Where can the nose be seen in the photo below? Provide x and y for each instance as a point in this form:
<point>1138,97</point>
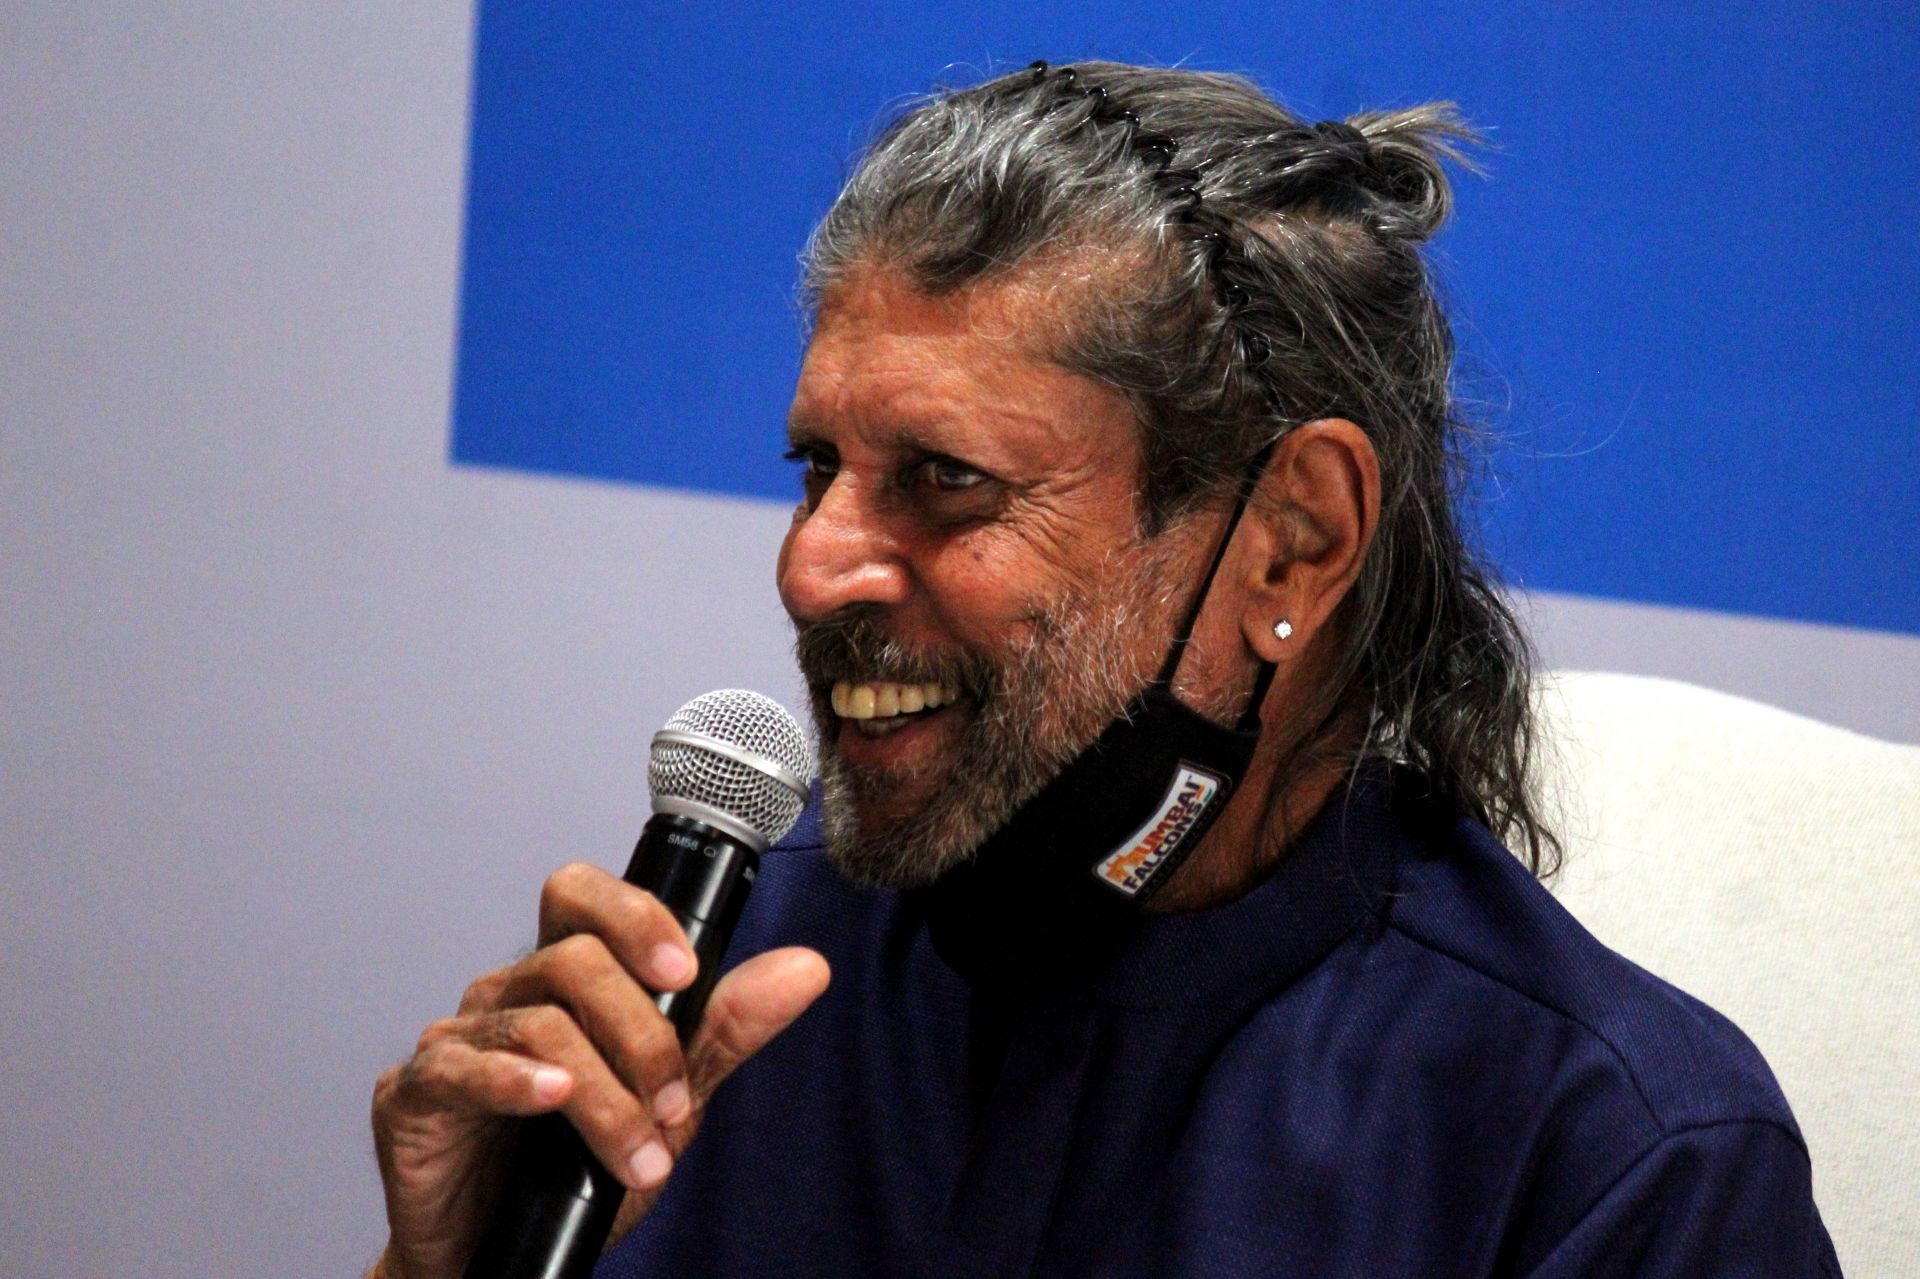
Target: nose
<point>840,554</point>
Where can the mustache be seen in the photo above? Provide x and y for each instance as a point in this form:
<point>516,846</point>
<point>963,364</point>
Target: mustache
<point>857,647</point>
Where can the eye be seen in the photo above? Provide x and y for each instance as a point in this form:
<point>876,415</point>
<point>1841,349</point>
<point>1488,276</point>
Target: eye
<point>818,466</point>
<point>948,475</point>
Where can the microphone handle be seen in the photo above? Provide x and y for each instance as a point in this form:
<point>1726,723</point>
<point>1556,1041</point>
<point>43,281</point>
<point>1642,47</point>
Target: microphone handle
<point>558,1204</point>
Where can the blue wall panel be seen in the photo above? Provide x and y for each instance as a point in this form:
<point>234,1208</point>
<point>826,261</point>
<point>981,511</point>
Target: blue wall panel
<point>1688,290</point>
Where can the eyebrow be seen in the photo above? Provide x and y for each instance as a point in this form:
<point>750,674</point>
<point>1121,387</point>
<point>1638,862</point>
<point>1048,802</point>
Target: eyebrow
<point>802,432</point>
<point>909,439</point>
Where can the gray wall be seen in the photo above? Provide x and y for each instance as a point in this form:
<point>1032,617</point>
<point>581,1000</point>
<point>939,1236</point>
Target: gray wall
<point>293,715</point>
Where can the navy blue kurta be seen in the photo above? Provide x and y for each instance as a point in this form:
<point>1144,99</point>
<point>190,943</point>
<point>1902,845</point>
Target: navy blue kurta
<point>1398,1056</point>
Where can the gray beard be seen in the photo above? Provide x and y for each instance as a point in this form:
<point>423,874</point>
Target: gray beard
<point>1002,762</point>
<point>1034,712</point>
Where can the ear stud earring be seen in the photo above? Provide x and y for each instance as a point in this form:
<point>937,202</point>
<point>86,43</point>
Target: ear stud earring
<point>1283,629</point>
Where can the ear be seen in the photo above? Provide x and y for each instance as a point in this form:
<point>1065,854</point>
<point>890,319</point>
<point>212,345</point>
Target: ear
<point>1312,518</point>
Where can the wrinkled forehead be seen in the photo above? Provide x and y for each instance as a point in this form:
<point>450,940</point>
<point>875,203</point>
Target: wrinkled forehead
<point>1044,299</point>
<point>1031,312</point>
<point>979,359</point>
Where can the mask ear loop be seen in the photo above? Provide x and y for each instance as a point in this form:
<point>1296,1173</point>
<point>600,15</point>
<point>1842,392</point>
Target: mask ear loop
<point>1250,719</point>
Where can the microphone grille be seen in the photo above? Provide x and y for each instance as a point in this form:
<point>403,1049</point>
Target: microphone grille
<point>697,759</point>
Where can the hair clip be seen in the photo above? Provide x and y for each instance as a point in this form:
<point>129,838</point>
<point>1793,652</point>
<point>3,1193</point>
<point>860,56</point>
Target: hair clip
<point>1156,149</point>
<point>1182,186</point>
<point>1344,138</point>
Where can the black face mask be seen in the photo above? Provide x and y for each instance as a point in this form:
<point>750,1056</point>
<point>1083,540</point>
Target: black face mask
<point>1062,878</point>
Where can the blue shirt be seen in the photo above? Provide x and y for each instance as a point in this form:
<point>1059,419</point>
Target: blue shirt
<point>1397,1056</point>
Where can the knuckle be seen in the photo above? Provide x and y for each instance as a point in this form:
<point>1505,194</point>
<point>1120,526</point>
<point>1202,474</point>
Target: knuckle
<point>483,991</point>
<point>656,1046</point>
<point>542,1026</point>
<point>435,1034</point>
<point>719,1053</point>
<point>616,1115</point>
<point>645,911</point>
<point>726,1029</point>
<point>644,1052</point>
<point>431,1072</point>
<point>579,954</point>
<point>385,1085</point>
<point>564,885</point>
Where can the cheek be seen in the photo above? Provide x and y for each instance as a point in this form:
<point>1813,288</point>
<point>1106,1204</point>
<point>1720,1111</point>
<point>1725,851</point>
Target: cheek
<point>981,598</point>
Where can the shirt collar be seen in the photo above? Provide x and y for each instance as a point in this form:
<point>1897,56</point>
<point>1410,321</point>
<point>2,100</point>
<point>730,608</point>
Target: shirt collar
<point>1329,881</point>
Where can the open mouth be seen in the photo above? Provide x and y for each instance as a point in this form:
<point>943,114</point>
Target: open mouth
<point>878,707</point>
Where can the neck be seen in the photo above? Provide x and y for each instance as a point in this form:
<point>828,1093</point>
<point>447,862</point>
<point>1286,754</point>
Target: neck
<point>1259,823</point>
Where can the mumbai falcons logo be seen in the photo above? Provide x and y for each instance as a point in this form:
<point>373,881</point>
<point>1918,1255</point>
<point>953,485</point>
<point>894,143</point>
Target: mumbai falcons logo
<point>1149,850</point>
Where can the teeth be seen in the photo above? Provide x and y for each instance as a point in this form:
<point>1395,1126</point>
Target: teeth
<point>884,699</point>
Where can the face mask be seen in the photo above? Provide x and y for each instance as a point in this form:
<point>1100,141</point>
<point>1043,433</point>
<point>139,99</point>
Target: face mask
<point>1077,862</point>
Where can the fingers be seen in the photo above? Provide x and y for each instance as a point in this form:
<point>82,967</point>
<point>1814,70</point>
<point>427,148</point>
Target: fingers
<point>574,1027</point>
<point>642,934</point>
<point>454,1075</point>
<point>615,1012</point>
<point>750,1005</point>
<point>531,1060</point>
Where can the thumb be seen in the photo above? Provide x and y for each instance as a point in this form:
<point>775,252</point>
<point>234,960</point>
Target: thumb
<point>750,1005</point>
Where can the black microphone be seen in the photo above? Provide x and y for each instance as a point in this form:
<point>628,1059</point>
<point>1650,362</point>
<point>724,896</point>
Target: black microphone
<point>729,775</point>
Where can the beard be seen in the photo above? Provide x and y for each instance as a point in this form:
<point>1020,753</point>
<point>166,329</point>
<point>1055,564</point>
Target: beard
<point>1031,709</point>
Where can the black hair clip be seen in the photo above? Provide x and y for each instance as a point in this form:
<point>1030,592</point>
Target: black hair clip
<point>1156,149</point>
<point>1347,140</point>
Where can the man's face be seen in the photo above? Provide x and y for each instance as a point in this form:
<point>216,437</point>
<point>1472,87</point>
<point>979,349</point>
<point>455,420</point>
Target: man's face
<point>972,596</point>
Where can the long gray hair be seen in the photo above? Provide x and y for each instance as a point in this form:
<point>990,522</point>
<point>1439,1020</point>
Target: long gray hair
<point>1260,272</point>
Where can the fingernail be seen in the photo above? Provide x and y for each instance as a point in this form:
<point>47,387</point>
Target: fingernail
<point>549,1082</point>
<point>671,963</point>
<point>671,1104</point>
<point>651,1164</point>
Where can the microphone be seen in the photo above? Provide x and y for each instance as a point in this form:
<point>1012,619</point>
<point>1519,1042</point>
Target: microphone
<point>729,775</point>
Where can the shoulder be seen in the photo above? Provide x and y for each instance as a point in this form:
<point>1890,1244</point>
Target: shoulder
<point>1613,1113</point>
<point>1481,918</point>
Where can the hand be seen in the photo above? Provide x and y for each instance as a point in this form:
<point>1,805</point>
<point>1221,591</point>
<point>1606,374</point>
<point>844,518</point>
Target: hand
<point>573,1028</point>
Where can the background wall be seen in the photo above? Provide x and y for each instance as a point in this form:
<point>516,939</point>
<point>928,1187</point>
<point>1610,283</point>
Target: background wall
<point>296,711</point>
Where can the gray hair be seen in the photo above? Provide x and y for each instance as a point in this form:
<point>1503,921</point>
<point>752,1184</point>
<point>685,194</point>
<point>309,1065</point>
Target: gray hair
<point>1241,272</point>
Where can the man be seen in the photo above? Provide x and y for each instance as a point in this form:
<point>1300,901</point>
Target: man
<point>1163,718</point>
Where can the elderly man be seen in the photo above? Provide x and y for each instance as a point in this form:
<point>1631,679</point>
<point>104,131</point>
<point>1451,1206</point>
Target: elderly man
<point>1166,724</point>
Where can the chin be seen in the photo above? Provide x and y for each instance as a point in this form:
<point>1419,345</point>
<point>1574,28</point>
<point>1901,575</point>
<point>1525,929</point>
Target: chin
<point>896,846</point>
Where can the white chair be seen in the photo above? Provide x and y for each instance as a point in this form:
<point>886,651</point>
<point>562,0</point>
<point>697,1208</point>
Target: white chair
<point>1769,865</point>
